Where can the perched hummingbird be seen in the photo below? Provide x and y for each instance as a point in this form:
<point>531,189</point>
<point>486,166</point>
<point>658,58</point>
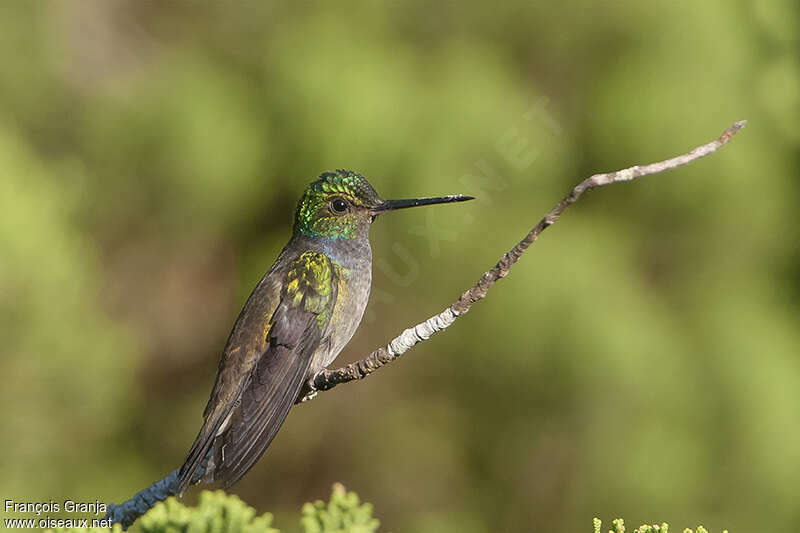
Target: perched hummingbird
<point>294,324</point>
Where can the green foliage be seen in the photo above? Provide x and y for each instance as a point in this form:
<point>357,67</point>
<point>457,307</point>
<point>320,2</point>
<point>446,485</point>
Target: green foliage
<point>619,527</point>
<point>217,512</point>
<point>343,514</point>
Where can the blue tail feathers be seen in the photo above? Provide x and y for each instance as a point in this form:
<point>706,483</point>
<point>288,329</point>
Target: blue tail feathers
<point>128,512</point>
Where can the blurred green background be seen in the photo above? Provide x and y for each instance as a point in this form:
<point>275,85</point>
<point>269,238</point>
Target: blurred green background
<point>643,359</point>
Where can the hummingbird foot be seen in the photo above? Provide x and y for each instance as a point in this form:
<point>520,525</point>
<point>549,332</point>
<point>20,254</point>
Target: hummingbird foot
<point>310,390</point>
<point>309,396</point>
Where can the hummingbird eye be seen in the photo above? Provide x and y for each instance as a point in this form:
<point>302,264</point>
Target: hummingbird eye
<point>339,206</point>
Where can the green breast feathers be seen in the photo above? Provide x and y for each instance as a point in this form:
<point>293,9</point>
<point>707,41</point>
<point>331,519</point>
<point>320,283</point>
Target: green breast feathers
<point>310,285</point>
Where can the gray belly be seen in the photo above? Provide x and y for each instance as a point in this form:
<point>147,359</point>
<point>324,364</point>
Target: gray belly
<point>351,300</point>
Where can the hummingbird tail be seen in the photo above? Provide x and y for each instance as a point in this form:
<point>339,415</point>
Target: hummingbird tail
<point>129,511</point>
<point>195,466</point>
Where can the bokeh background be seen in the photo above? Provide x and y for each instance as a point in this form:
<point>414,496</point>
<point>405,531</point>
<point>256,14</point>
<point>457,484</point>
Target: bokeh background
<point>643,359</point>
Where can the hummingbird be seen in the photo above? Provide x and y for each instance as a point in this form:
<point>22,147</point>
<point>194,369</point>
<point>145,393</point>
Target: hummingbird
<point>295,323</point>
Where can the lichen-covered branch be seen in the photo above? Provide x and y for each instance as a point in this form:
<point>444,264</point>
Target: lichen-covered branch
<point>327,379</point>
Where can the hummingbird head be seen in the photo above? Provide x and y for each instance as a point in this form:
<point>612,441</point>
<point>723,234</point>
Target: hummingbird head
<point>342,205</point>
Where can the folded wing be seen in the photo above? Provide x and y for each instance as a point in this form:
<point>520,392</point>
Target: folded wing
<point>240,430</point>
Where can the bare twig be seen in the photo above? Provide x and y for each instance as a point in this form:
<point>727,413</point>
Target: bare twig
<point>327,379</point>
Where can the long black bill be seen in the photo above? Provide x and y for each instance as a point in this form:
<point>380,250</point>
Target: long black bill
<point>391,205</point>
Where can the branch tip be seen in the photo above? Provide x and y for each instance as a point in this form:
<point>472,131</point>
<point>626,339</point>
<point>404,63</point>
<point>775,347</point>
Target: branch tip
<point>732,130</point>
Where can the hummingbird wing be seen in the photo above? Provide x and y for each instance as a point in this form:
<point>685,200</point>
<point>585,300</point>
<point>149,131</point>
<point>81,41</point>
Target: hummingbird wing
<point>239,425</point>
